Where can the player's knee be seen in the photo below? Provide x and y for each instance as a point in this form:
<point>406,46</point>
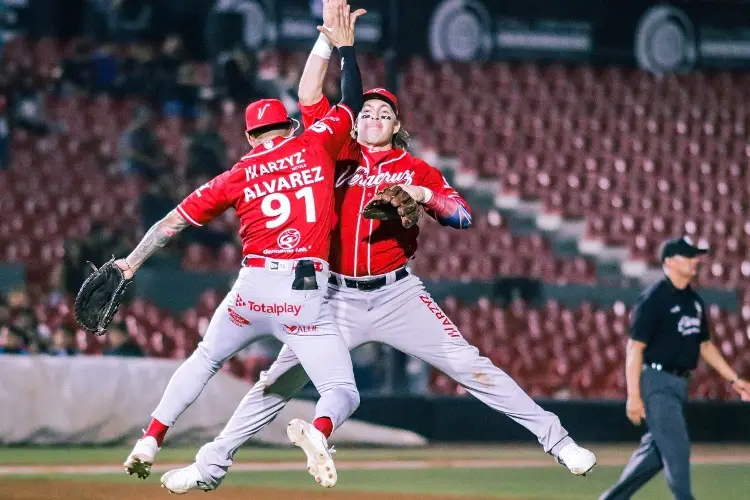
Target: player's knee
<point>348,393</point>
<point>354,396</point>
<point>208,359</point>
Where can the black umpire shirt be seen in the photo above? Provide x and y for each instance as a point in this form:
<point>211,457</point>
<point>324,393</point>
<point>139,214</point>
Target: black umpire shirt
<point>672,323</point>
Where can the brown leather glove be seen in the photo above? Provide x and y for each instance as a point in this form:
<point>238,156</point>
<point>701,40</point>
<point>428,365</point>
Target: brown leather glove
<point>393,203</point>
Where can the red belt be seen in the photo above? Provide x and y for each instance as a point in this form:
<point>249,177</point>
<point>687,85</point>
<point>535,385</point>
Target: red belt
<point>251,261</point>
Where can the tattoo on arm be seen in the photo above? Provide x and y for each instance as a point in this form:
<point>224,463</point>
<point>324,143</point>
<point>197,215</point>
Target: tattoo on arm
<point>157,237</point>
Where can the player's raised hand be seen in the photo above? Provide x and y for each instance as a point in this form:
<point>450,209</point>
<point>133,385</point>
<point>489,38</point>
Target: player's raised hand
<point>330,8</point>
<point>341,31</point>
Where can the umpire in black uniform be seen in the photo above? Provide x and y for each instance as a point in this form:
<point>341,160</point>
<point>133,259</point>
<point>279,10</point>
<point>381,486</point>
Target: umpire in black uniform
<point>668,330</point>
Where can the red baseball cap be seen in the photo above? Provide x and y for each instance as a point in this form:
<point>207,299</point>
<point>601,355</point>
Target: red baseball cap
<point>384,95</point>
<point>264,113</point>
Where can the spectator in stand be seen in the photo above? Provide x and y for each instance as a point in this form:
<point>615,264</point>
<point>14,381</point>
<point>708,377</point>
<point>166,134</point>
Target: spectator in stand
<point>72,269</point>
<point>4,134</point>
<point>119,342</point>
<point>11,340</point>
<point>96,20</point>
<point>63,342</point>
<point>131,19</point>
<point>28,112</point>
<point>103,242</point>
<point>105,68</point>
<point>240,79</point>
<point>77,72</point>
<point>167,67</point>
<point>26,323</point>
<point>207,152</point>
<point>4,310</point>
<point>134,77</point>
<point>188,90</point>
<point>139,148</point>
<point>157,200</point>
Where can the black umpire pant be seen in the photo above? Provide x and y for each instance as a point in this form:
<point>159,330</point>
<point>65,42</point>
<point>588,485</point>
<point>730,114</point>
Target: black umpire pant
<point>666,444</point>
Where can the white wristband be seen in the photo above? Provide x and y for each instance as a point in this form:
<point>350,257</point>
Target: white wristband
<point>427,195</point>
<point>323,47</point>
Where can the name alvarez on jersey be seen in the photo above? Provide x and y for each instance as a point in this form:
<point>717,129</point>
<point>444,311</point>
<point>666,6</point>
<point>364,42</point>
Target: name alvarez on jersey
<point>291,181</point>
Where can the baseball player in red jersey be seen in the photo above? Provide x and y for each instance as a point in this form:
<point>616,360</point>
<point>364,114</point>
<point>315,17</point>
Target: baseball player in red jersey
<point>373,295</point>
<point>282,191</point>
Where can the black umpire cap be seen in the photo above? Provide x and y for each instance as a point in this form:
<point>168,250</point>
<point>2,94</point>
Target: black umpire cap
<point>680,246</point>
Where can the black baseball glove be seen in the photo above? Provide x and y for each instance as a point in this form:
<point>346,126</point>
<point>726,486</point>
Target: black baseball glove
<point>393,203</point>
<point>100,296</point>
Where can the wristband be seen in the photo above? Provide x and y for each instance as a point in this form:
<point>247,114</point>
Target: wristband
<point>323,47</point>
<point>427,195</point>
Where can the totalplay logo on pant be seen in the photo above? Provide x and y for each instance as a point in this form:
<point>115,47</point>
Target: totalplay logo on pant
<point>277,309</point>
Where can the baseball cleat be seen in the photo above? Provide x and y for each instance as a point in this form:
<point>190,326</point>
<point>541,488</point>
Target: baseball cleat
<point>578,460</point>
<point>315,445</point>
<point>142,457</point>
<point>180,481</point>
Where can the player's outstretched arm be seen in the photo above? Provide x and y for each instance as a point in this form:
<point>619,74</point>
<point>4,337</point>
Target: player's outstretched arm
<point>310,89</point>
<point>156,237</point>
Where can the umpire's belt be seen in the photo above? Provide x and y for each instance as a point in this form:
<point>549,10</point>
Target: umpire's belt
<point>367,284</point>
<point>680,372</point>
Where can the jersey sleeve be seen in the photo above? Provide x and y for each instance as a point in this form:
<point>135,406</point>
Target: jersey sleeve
<point>314,112</point>
<point>433,179</point>
<point>642,319</point>
<point>208,201</point>
<point>333,131</point>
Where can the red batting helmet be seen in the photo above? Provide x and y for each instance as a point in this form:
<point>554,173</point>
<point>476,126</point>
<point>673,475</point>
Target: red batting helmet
<point>383,95</point>
<point>264,113</point>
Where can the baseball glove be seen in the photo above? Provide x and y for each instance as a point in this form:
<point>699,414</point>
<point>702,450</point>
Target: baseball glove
<point>100,296</point>
<point>393,203</point>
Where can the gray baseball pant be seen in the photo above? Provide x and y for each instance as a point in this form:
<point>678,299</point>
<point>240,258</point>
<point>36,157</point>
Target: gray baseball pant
<point>403,315</point>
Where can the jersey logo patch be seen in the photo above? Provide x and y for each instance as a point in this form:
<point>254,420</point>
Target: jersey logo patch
<point>361,177</point>
<point>289,239</point>
<point>689,326</point>
<point>262,110</point>
<point>321,127</point>
<point>297,329</point>
<point>235,318</point>
<point>239,302</point>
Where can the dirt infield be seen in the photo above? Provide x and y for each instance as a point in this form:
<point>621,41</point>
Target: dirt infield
<point>63,489</point>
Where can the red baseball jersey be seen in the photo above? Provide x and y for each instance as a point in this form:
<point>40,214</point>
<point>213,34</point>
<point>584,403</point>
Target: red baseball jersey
<point>282,191</point>
<point>366,247</point>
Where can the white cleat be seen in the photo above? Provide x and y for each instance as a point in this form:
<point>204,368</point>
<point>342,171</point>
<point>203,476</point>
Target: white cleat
<point>315,445</point>
<point>578,460</point>
<point>142,457</point>
<point>181,481</point>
